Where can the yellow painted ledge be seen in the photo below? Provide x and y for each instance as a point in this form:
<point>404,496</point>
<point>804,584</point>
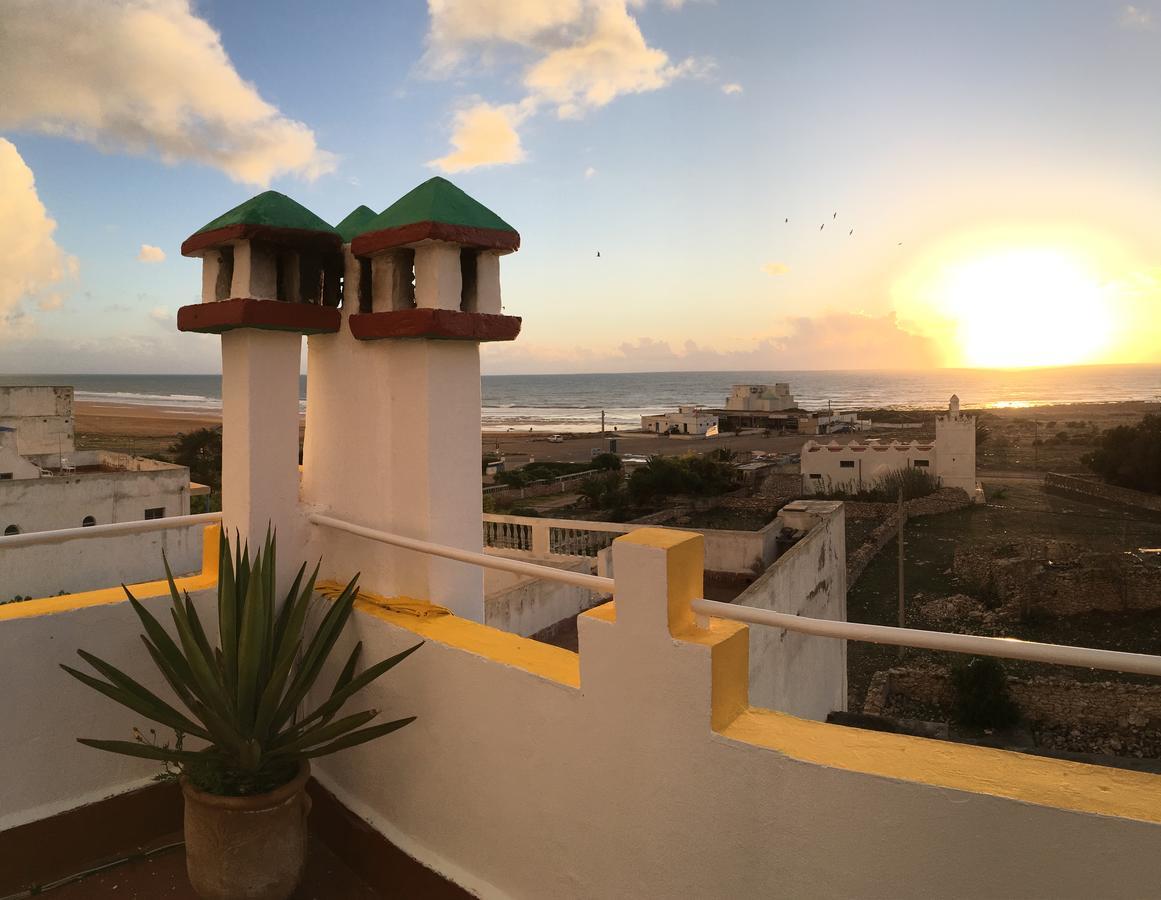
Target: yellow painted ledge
<point>534,657</point>
<point>47,606</point>
<point>977,770</point>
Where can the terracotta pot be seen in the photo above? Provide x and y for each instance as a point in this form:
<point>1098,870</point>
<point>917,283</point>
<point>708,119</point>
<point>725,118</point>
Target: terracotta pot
<point>247,848</point>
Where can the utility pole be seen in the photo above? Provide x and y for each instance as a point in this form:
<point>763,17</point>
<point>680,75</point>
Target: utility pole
<point>902,603</point>
<point>602,421</point>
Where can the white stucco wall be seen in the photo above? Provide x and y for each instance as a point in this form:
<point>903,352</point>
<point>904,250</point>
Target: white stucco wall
<point>798,673</point>
<point>392,443</point>
<point>868,462</point>
<point>45,710</point>
<point>63,501</point>
<point>524,605</point>
<point>84,564</point>
<point>42,416</point>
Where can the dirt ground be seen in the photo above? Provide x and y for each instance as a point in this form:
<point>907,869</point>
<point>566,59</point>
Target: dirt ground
<point>1017,507</point>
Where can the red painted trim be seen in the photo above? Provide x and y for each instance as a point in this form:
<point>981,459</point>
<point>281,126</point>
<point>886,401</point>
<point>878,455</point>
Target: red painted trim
<point>270,315</point>
<point>442,324</point>
<point>299,238</point>
<point>388,238</point>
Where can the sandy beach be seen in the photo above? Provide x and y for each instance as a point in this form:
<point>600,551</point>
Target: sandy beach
<point>149,430</point>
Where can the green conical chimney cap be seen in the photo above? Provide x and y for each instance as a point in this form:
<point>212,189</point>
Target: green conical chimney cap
<point>436,210</point>
<point>270,216</point>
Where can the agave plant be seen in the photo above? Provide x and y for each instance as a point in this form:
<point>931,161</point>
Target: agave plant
<point>244,696</point>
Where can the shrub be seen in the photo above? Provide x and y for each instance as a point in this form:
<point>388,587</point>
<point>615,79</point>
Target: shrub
<point>885,489</point>
<point>697,474</point>
<point>606,461</point>
<point>603,491</point>
<point>201,452</point>
<point>981,694</point>
<point>1130,455</point>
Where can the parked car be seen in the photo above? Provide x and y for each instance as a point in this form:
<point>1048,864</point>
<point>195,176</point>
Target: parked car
<point>556,439</point>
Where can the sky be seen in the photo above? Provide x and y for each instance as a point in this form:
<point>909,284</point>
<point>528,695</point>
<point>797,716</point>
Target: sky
<point>769,185</point>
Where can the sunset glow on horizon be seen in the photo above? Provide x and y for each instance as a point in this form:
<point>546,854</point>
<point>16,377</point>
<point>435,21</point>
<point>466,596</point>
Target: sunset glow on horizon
<point>1016,299</point>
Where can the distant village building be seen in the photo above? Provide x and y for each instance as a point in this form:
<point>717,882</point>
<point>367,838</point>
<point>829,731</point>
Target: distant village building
<point>46,483</point>
<point>951,457</point>
<point>760,398</point>
<point>692,420</point>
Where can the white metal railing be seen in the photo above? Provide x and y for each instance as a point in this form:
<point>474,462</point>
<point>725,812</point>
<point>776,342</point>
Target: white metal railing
<point>1008,648</point>
<point>596,583</point>
<point>141,526</point>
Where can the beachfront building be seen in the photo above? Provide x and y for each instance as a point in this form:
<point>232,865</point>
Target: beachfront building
<point>760,398</point>
<point>644,763</point>
<point>47,484</point>
<point>950,458</point>
<point>688,420</point>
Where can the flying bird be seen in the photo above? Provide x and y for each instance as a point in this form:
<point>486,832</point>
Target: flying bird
<point>598,254</point>
<point>787,219</point>
<point>900,244</point>
<point>822,226</point>
<point>849,233</point>
<point>835,216</point>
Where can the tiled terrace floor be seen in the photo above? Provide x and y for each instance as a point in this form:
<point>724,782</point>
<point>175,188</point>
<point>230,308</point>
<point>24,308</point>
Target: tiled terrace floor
<point>162,876</point>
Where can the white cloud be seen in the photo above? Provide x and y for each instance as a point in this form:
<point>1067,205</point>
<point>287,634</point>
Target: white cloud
<point>144,76</point>
<point>732,88</point>
<point>590,172</point>
<point>50,302</point>
<point>1135,17</point>
<point>775,268</point>
<point>32,266</point>
<point>483,135</point>
<point>577,55</point>
<point>832,339</point>
<point>150,254</point>
<point>162,315</point>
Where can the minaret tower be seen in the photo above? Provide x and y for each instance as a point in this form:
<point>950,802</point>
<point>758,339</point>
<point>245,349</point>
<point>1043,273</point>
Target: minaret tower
<point>955,447</point>
<point>270,273</point>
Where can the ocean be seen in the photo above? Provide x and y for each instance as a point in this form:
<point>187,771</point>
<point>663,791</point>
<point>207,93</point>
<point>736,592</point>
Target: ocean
<point>575,402</point>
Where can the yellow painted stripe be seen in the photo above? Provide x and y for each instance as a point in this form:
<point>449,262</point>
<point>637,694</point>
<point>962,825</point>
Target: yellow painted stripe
<point>534,657</point>
<point>979,770</point>
<point>47,606</point>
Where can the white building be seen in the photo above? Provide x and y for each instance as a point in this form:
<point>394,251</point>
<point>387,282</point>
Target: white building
<point>951,457</point>
<point>760,397</point>
<point>692,420</point>
<point>47,484</point>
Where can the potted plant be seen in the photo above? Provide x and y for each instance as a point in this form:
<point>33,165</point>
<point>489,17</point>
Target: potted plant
<point>244,788</point>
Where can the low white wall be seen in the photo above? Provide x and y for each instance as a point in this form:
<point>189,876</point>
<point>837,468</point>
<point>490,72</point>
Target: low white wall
<point>517,785</point>
<point>525,604</point>
<point>44,710</point>
<point>799,673</point>
<point>87,563</point>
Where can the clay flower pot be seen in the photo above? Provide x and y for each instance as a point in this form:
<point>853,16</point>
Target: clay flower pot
<point>247,848</point>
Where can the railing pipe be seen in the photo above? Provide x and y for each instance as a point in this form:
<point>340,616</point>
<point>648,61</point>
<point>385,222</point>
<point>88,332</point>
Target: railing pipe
<point>141,526</point>
<point>595,583</point>
<point>1007,648</point>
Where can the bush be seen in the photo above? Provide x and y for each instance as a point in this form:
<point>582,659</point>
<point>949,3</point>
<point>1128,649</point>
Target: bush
<point>696,474</point>
<point>885,489</point>
<point>603,491</point>
<point>609,461</point>
<point>1130,455</point>
<point>981,694</point>
<point>201,452</point>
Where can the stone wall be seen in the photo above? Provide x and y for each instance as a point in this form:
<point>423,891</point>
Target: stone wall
<point>1071,484</point>
<point>1059,578</point>
<point>1099,716</point>
<point>943,500</point>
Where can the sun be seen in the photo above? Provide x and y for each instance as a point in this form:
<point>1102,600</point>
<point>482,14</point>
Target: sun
<point>1026,307</point>
<point>1011,303</point>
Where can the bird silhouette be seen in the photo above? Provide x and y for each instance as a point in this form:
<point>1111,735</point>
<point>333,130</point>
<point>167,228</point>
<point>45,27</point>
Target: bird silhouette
<point>787,219</point>
<point>598,254</point>
<point>822,226</point>
<point>900,244</point>
<point>835,216</point>
<point>849,233</point>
